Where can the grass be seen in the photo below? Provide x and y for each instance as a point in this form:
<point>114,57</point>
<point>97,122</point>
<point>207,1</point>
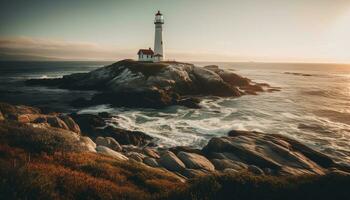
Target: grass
<point>79,176</point>
<point>250,187</point>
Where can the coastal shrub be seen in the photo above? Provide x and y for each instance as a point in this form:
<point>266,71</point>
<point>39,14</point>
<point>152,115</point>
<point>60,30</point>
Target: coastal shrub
<point>37,140</point>
<point>248,186</point>
<point>79,176</point>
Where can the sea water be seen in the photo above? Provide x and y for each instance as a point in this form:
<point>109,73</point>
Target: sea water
<point>312,107</point>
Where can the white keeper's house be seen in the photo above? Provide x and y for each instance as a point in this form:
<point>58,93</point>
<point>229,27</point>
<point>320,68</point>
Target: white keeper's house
<point>145,54</point>
<point>157,55</point>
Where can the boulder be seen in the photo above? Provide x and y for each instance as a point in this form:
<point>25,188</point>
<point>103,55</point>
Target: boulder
<point>151,162</point>
<point>255,170</point>
<point>193,173</point>
<point>56,122</point>
<point>88,123</point>
<point>222,164</point>
<point>41,119</point>
<point>189,102</point>
<point>109,142</point>
<point>187,149</point>
<point>136,156</point>
<point>125,137</point>
<point>23,119</point>
<point>230,171</point>
<point>8,109</point>
<point>109,152</point>
<point>172,163</point>
<point>70,123</point>
<point>86,141</point>
<point>151,152</point>
<point>267,153</point>
<point>195,161</point>
<point>240,150</point>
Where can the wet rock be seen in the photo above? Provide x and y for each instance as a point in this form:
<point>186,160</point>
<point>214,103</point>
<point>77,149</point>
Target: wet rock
<point>195,161</point>
<point>189,102</point>
<point>109,152</point>
<point>151,162</point>
<point>88,123</point>
<point>172,163</point>
<point>145,98</point>
<point>125,137</point>
<point>109,142</point>
<point>105,115</point>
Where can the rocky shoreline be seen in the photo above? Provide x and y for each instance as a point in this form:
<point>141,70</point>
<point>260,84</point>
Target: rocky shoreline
<point>130,83</point>
<point>239,151</point>
<point>50,155</point>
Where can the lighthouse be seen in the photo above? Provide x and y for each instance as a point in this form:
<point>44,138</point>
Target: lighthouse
<point>158,38</point>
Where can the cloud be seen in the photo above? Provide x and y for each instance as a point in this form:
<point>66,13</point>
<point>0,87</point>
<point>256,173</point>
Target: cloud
<point>25,48</point>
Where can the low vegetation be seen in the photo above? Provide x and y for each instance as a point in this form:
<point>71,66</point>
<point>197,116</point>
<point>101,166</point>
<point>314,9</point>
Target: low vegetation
<point>78,176</point>
<point>248,186</point>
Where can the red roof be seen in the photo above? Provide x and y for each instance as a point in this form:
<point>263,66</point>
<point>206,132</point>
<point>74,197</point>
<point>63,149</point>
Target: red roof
<point>146,51</point>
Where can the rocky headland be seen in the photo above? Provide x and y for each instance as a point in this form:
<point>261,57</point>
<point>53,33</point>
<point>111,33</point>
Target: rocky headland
<point>88,138</point>
<point>132,83</point>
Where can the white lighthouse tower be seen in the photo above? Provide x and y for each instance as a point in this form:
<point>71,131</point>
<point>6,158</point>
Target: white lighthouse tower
<point>158,39</point>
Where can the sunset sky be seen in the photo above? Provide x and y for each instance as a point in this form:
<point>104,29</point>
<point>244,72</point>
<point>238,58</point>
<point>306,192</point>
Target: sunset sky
<point>197,30</point>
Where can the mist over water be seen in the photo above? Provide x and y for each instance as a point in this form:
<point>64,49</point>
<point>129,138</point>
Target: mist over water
<point>313,105</point>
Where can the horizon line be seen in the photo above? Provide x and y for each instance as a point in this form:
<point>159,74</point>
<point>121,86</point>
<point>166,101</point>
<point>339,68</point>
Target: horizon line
<point>194,61</point>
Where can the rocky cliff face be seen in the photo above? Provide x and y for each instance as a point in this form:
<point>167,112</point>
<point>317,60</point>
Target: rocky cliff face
<point>140,84</point>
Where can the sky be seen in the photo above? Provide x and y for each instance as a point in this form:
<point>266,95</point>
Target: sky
<point>194,30</point>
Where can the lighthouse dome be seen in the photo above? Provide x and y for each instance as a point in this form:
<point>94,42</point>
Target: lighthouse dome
<point>159,19</point>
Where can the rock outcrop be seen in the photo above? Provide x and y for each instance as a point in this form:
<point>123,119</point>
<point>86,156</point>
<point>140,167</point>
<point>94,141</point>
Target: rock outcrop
<point>140,84</point>
<point>95,125</point>
<point>109,152</point>
<point>195,161</point>
<point>239,151</point>
<point>264,152</point>
<point>171,162</point>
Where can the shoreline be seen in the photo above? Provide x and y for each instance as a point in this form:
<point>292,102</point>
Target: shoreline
<point>239,154</point>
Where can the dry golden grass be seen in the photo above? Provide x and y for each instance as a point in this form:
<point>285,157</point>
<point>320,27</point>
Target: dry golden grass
<point>78,176</point>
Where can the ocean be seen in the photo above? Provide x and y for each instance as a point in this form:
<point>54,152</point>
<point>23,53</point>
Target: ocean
<point>312,107</point>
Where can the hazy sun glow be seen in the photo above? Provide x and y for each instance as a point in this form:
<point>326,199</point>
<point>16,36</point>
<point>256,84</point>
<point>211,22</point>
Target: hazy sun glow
<point>223,30</point>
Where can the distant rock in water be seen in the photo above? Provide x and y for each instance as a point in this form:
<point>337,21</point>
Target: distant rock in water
<point>143,84</point>
<point>297,74</point>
